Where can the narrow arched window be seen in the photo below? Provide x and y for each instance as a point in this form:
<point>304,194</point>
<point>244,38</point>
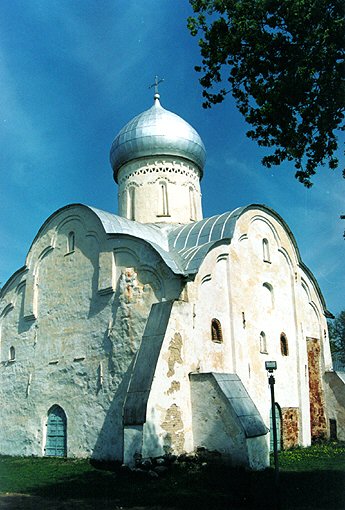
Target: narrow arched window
<point>266,250</point>
<point>192,205</point>
<point>284,348</point>
<point>71,242</point>
<point>164,199</point>
<point>263,343</point>
<point>216,331</point>
<point>268,296</point>
<point>12,353</point>
<point>131,203</point>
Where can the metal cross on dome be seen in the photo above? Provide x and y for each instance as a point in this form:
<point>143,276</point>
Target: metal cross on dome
<point>155,84</point>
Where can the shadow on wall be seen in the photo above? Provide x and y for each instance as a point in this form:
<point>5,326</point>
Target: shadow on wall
<point>99,301</point>
<point>337,385</point>
<point>335,401</point>
<point>156,445</point>
<point>109,444</point>
<point>108,343</point>
<point>23,324</point>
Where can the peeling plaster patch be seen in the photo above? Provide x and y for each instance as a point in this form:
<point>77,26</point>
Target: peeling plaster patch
<point>130,289</point>
<point>290,422</point>
<point>175,386</point>
<point>173,425</point>
<point>317,406</point>
<point>175,347</point>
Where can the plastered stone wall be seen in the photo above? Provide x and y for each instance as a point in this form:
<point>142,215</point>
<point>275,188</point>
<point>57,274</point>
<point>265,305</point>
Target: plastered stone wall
<point>76,318</point>
<point>250,295</point>
<point>76,346</point>
<point>168,428</point>
<point>214,426</point>
<point>166,190</point>
<point>334,392</point>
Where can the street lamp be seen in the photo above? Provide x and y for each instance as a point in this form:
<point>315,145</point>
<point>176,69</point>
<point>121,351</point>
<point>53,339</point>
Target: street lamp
<point>271,366</point>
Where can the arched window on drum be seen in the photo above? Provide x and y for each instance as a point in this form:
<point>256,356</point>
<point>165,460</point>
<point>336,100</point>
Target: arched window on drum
<point>164,199</point>
<point>131,203</point>
<point>192,204</point>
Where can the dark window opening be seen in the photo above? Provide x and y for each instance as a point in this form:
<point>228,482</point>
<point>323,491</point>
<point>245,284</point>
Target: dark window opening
<point>216,331</point>
<point>284,348</point>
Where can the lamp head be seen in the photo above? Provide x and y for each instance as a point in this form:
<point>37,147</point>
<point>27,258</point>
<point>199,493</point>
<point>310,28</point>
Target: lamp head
<point>270,366</point>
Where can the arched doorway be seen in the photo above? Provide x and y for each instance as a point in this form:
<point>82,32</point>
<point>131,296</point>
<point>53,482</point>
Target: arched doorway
<point>278,426</point>
<point>56,432</point>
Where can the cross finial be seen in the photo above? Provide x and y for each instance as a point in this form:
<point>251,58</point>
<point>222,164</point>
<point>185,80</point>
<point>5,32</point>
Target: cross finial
<point>155,85</point>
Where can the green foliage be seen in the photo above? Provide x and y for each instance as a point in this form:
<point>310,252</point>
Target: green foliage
<point>283,62</point>
<point>328,455</point>
<point>185,485</point>
<point>336,329</point>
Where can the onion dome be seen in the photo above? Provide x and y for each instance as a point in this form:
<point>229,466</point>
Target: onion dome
<point>157,132</point>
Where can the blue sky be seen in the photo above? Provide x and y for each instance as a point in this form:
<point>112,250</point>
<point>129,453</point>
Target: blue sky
<point>73,72</point>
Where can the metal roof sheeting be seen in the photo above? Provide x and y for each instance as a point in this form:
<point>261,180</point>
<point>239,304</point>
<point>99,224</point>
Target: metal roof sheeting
<point>145,364</point>
<point>183,248</point>
<point>192,242</point>
<point>241,403</point>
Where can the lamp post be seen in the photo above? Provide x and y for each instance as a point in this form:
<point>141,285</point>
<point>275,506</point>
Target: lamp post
<point>270,367</point>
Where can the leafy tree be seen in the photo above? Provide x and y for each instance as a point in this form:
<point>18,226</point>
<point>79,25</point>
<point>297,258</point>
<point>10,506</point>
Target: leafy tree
<point>337,336</point>
<point>283,62</point>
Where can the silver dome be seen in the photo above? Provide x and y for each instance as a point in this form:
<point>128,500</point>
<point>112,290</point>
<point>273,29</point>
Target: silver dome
<point>157,132</point>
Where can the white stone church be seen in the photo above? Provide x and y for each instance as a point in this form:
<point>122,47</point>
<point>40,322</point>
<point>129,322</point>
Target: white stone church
<point>146,333</point>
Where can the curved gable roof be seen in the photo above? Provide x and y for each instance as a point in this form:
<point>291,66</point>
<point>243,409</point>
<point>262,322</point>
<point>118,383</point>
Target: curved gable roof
<point>183,248</point>
<point>117,225</point>
<point>150,233</point>
<point>192,242</point>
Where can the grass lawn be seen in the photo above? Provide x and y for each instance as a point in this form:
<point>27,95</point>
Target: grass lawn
<point>310,478</point>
